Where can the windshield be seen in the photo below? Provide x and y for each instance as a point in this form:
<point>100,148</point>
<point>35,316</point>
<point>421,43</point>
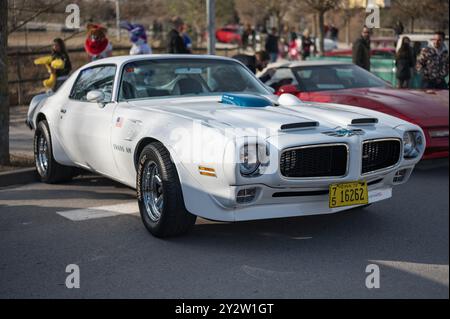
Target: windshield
<point>335,77</point>
<point>186,77</point>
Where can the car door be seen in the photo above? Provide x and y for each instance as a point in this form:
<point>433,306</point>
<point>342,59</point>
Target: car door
<point>85,127</point>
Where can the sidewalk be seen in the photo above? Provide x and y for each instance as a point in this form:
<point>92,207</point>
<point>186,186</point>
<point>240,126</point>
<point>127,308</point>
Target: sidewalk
<point>20,136</point>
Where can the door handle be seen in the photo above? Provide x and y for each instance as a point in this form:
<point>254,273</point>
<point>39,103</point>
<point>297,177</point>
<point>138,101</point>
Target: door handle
<point>63,111</point>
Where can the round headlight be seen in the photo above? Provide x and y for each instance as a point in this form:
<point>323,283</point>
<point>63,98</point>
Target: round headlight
<point>412,144</point>
<point>249,161</point>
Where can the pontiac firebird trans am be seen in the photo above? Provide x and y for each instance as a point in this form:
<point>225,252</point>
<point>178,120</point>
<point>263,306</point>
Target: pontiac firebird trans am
<point>202,136</point>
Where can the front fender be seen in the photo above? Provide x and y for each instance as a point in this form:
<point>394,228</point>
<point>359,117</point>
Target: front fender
<point>33,110</point>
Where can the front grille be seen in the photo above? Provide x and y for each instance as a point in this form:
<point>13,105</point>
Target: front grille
<point>380,154</point>
<point>315,161</point>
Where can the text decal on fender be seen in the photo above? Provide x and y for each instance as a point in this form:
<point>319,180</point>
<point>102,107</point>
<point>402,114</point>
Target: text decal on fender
<point>349,194</point>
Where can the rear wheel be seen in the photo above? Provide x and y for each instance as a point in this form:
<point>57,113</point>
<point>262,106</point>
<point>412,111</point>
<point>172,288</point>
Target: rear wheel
<point>159,194</point>
<point>48,169</point>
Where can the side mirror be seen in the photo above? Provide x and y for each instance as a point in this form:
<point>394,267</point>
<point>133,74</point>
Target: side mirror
<point>290,89</point>
<point>287,99</point>
<point>95,96</point>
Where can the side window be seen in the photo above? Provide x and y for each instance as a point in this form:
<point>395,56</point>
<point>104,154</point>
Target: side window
<point>97,78</point>
<point>346,77</point>
<point>282,76</point>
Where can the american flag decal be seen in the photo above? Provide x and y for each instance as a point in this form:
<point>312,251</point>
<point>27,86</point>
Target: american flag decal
<point>119,122</point>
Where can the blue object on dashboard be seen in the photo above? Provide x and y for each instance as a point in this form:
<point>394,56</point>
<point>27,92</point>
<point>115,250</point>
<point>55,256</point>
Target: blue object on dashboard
<point>246,100</point>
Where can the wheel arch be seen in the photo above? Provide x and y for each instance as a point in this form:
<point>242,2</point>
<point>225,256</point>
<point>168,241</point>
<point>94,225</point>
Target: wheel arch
<point>59,153</point>
<point>141,145</point>
<point>40,117</point>
<point>173,157</point>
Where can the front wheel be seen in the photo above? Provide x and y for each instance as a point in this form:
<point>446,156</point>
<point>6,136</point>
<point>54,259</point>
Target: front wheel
<point>160,198</point>
<point>48,169</point>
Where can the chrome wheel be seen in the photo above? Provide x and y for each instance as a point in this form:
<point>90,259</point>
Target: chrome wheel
<point>42,154</point>
<point>152,191</point>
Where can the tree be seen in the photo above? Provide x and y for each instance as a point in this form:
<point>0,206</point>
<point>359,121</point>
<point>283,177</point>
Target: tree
<point>34,10</point>
<point>193,12</point>
<point>278,9</point>
<point>226,12</point>
<point>412,9</point>
<point>256,11</point>
<point>4,98</point>
<point>349,11</point>
<point>432,12</point>
<point>320,7</point>
<point>250,11</point>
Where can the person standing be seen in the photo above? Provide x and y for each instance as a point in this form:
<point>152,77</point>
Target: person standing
<point>272,45</point>
<point>398,29</point>
<point>186,38</point>
<point>404,62</point>
<point>175,44</point>
<point>334,33</point>
<point>248,34</point>
<point>293,47</point>
<point>59,52</point>
<point>307,43</point>
<point>433,63</point>
<point>254,63</point>
<point>361,50</point>
<point>97,44</point>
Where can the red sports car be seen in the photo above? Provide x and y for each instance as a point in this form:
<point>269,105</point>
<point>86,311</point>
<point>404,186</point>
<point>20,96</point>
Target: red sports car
<point>346,83</point>
<point>228,35</point>
<point>377,53</point>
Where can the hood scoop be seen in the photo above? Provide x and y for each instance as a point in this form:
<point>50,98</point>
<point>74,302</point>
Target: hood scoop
<point>296,126</point>
<point>245,100</point>
<point>365,121</point>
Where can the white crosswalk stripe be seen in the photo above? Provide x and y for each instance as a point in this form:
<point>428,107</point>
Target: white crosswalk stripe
<point>127,208</point>
<point>433,272</point>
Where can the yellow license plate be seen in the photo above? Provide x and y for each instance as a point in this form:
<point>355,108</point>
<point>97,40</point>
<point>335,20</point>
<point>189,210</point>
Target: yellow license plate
<point>349,194</point>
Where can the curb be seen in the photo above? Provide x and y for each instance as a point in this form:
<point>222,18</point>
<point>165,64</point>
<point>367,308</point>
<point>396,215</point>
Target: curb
<point>18,177</point>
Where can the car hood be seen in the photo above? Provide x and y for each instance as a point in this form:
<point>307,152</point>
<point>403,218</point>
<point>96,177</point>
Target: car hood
<point>213,113</point>
<point>422,107</point>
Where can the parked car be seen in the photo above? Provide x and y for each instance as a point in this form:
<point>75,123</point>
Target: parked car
<point>202,136</point>
<point>388,52</point>
<point>383,42</point>
<point>346,83</point>
<point>383,56</point>
<point>328,44</point>
<point>418,41</point>
<point>229,35</point>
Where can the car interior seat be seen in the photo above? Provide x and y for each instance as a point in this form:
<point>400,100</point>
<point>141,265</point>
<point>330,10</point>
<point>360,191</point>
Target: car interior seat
<point>128,92</point>
<point>324,78</point>
<point>187,86</point>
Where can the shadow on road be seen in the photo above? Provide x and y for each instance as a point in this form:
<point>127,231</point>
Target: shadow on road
<point>315,256</point>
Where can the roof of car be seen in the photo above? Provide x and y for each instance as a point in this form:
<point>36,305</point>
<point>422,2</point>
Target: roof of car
<point>420,37</point>
<point>130,58</point>
<point>307,63</point>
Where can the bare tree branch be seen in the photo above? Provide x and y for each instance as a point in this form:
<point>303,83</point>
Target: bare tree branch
<point>38,13</point>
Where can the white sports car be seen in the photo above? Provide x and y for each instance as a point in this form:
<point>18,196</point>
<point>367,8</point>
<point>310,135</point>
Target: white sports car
<point>202,136</point>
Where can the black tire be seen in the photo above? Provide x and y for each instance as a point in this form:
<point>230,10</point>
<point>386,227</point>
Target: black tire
<point>53,172</point>
<point>174,219</point>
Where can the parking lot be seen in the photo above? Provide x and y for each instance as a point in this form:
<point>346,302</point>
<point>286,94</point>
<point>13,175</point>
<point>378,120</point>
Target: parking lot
<point>93,222</point>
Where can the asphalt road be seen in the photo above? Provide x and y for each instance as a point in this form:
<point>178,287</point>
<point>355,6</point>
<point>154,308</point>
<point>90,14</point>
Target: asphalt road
<point>309,257</point>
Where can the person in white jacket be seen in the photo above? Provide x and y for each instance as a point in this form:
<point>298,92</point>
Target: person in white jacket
<point>138,38</point>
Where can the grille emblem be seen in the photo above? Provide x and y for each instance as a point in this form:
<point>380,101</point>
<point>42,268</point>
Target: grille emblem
<point>344,132</point>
